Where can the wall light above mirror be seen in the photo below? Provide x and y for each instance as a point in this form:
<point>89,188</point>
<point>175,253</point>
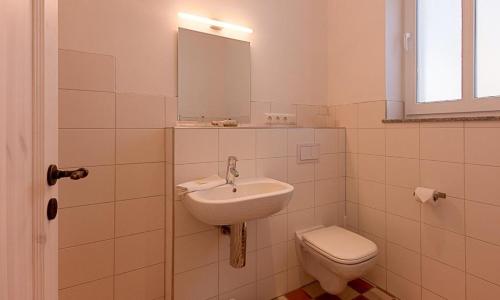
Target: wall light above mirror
<point>214,77</point>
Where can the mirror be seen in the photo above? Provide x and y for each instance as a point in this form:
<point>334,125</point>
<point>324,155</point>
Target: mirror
<point>214,77</point>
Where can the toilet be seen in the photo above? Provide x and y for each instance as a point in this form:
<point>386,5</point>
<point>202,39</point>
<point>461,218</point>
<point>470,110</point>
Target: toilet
<point>334,255</point>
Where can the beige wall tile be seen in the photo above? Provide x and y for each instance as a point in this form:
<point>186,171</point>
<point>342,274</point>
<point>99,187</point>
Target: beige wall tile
<point>300,172</point>
<point>352,191</point>
<point>329,214</point>
<point>482,146</point>
<point>371,114</point>
<point>84,109</point>
<point>442,144</point>
<point>371,141</point>
<point>372,221</point>
<point>403,262</point>
<point>86,71</point>
<point>271,143</point>
<point>239,143</point>
<point>204,278</point>
<point>140,180</point>
<point>371,167</point>
<point>352,140</point>
<point>137,251</point>
<point>482,221</point>
<point>403,142</point>
<point>271,231</point>
<point>402,288</point>
<point>483,260</point>
<point>428,295</point>
<point>188,172</point>
<point>85,224</point>
<point>271,260</point>
<point>329,166</point>
<point>403,172</point>
<point>275,168</point>
<point>481,184</point>
<point>98,187</point>
<point>185,222</point>
<point>86,147</point>
<point>302,197</point>
<point>188,143</point>
<point>140,111</point>
<point>231,278</point>
<point>400,201</point>
<point>93,261</point>
<point>445,177</point>
<point>328,139</point>
<point>142,284</point>
<point>196,250</point>
<point>403,232</point>
<point>481,289</point>
<point>298,136</point>
<point>297,277</point>
<point>140,145</point>
<point>378,276</point>
<point>96,290</point>
<point>346,116</point>
<point>448,214</point>
<point>139,215</point>
<point>443,279</point>
<point>352,165</point>
<point>272,287</point>
<point>299,220</point>
<point>372,194</point>
<point>326,191</point>
<point>444,246</point>
<point>247,292</point>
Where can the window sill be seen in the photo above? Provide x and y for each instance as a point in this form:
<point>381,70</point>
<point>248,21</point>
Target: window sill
<point>450,119</point>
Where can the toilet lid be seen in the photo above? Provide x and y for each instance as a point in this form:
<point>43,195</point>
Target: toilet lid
<point>341,245</point>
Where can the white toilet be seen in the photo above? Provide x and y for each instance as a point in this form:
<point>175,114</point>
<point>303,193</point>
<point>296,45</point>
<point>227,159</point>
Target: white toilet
<point>334,255</point>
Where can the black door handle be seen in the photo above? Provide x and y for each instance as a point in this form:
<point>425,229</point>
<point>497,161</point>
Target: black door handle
<point>53,174</point>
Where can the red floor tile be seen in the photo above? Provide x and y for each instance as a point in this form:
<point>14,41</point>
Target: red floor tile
<point>297,295</point>
<point>360,286</point>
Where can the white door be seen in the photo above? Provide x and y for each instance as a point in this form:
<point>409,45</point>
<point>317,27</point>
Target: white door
<point>28,144</point>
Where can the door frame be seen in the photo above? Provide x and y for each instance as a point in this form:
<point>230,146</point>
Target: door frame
<point>44,151</point>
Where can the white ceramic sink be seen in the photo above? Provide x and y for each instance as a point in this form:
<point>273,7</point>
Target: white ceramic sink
<point>253,199</point>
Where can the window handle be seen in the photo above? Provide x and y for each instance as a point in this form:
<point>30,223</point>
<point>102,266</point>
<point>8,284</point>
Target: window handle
<point>406,40</point>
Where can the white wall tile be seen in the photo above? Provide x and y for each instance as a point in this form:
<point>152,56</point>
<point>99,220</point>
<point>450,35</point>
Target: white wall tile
<point>326,191</point>
<point>403,172</point>
<point>271,230</point>
<point>447,214</point>
<point>483,260</point>
<point>195,250</point>
<point>328,140</point>
<point>271,143</point>
<point>328,166</point>
<point>482,221</point>
<point>404,232</point>
<point>482,146</point>
<point>402,288</point>
<point>231,278</point>
<point>86,147</point>
<point>442,144</point>
<point>401,202</point>
<point>140,180</point>
<point>99,290</point>
<point>272,287</point>
<point>444,246</point>
<point>85,109</point>
<point>297,137</point>
<point>140,111</point>
<point>140,250</point>
<point>142,284</point>
<point>271,260</point>
<point>205,279</point>
<point>196,145</point>
<point>481,289</point>
<point>443,279</point>
<point>402,142</point>
<point>139,215</point>
<point>189,172</point>
<point>445,177</point>
<point>371,141</point>
<point>303,196</point>
<point>403,262</point>
<point>239,143</point>
<point>300,172</point>
<point>372,221</point>
<point>275,168</point>
<point>140,145</point>
<point>371,167</point>
<point>481,184</point>
<point>372,194</point>
<point>299,220</point>
<point>185,222</point>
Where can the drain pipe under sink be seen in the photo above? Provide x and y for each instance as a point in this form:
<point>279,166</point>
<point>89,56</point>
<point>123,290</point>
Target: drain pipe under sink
<point>237,244</point>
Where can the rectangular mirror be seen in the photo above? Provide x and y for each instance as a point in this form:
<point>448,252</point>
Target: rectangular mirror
<point>214,77</point>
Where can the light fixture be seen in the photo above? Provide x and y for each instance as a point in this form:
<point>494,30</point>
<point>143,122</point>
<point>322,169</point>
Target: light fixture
<point>215,24</point>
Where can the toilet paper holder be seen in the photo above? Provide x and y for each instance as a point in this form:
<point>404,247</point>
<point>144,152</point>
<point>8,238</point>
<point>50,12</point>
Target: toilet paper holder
<point>436,195</point>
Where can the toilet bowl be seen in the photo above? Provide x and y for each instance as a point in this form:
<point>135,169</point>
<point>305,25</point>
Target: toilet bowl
<point>334,255</point>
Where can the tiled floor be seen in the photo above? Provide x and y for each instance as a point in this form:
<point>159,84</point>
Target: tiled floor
<point>357,289</point>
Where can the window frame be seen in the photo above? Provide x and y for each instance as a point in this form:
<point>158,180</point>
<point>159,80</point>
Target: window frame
<point>469,104</point>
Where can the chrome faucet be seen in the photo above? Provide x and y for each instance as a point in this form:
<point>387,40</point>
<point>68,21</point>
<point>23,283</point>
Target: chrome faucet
<point>231,172</point>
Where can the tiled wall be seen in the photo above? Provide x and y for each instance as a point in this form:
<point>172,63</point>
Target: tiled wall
<point>112,223</point>
<point>201,268</point>
<point>448,251</point>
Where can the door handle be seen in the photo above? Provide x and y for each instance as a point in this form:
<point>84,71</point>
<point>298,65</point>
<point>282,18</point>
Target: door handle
<point>53,174</point>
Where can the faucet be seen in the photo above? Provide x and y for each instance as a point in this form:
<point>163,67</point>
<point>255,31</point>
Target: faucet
<point>231,172</point>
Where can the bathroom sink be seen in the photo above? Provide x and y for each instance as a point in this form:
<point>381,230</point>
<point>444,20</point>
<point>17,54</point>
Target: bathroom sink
<point>252,199</point>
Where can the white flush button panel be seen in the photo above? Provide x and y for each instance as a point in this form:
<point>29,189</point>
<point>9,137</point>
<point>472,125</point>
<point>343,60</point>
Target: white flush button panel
<point>308,152</point>
<point>280,119</point>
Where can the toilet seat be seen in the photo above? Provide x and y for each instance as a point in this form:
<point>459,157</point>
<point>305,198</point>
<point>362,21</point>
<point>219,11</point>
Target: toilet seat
<point>340,245</point>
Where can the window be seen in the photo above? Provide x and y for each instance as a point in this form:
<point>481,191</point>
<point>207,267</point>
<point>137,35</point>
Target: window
<point>452,56</point>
